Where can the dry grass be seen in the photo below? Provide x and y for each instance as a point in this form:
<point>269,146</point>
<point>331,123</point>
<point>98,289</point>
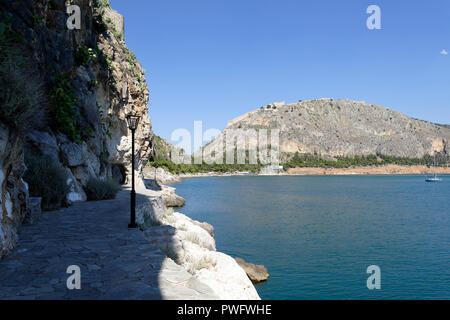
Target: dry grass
<point>193,237</point>
<point>47,180</point>
<point>169,217</point>
<point>97,189</point>
<point>205,262</point>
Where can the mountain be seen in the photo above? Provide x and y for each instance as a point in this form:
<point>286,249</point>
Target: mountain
<point>333,128</point>
<point>162,149</point>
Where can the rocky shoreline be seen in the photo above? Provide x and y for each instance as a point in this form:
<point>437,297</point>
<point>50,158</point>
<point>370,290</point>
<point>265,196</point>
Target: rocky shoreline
<point>191,244</point>
<point>391,169</point>
<point>379,170</point>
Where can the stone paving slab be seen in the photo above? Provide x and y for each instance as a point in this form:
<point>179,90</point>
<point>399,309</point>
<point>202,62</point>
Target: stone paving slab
<point>115,262</point>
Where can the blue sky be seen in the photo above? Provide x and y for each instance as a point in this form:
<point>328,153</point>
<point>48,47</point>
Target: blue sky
<point>213,60</point>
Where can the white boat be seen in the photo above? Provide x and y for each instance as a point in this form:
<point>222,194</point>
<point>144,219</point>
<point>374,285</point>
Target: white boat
<point>435,178</point>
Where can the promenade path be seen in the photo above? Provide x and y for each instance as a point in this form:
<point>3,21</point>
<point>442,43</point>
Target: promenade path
<point>115,262</point>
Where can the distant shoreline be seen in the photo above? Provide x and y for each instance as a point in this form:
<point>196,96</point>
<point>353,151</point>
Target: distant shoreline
<point>390,169</point>
<point>386,170</point>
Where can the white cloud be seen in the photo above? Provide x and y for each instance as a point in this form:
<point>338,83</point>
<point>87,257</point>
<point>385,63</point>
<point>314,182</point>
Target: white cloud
<point>444,52</point>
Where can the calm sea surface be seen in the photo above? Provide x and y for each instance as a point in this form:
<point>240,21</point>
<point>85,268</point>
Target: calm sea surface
<point>317,235</point>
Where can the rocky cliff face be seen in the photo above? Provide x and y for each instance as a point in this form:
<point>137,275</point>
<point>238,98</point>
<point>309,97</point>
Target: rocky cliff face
<point>345,128</point>
<point>92,81</point>
<point>13,190</point>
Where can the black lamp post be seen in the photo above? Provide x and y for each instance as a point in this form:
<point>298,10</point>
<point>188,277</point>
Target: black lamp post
<point>133,121</point>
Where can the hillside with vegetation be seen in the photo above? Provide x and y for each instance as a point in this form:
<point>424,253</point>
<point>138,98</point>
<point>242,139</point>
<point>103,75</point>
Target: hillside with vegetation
<point>327,133</point>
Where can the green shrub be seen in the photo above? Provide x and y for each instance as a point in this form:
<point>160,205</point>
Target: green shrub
<point>309,160</point>
<point>65,114</point>
<point>109,64</point>
<point>160,149</point>
<point>46,180</point>
<point>118,35</point>
<point>84,56</point>
<point>97,189</point>
<point>101,3</point>
<point>298,160</point>
<point>100,25</point>
<point>10,40</point>
<point>38,20</point>
<point>99,21</point>
<point>171,167</point>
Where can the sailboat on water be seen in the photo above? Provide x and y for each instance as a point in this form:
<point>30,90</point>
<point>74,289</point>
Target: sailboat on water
<point>434,178</point>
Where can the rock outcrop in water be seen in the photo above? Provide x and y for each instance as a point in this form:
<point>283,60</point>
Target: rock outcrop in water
<point>171,199</point>
<point>191,245</point>
<point>160,175</point>
<point>333,128</point>
<point>89,79</point>
<point>256,273</point>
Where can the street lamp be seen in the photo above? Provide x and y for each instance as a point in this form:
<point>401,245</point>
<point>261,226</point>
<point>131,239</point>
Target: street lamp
<point>133,121</point>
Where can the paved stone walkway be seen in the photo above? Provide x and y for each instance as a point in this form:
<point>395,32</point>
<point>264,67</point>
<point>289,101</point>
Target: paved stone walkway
<point>115,262</point>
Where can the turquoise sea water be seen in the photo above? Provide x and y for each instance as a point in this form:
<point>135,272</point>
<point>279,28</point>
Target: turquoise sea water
<point>318,234</point>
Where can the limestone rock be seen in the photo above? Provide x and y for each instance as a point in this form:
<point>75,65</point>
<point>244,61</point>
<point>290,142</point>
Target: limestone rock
<point>152,184</point>
<point>157,179</point>
<point>117,174</point>
<point>191,245</point>
<point>117,19</point>
<point>333,128</point>
<point>83,174</point>
<point>46,143</point>
<point>4,137</point>
<point>160,175</point>
<point>150,214</point>
<point>92,161</point>
<point>206,226</point>
<point>228,279</point>
<point>256,273</point>
<point>171,199</point>
<point>76,193</point>
<point>13,190</point>
<point>72,154</point>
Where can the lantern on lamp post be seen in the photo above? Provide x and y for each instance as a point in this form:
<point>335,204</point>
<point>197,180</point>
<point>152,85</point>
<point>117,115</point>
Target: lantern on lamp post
<point>132,121</point>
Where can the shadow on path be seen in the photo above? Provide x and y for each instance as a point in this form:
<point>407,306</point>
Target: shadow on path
<point>115,262</point>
